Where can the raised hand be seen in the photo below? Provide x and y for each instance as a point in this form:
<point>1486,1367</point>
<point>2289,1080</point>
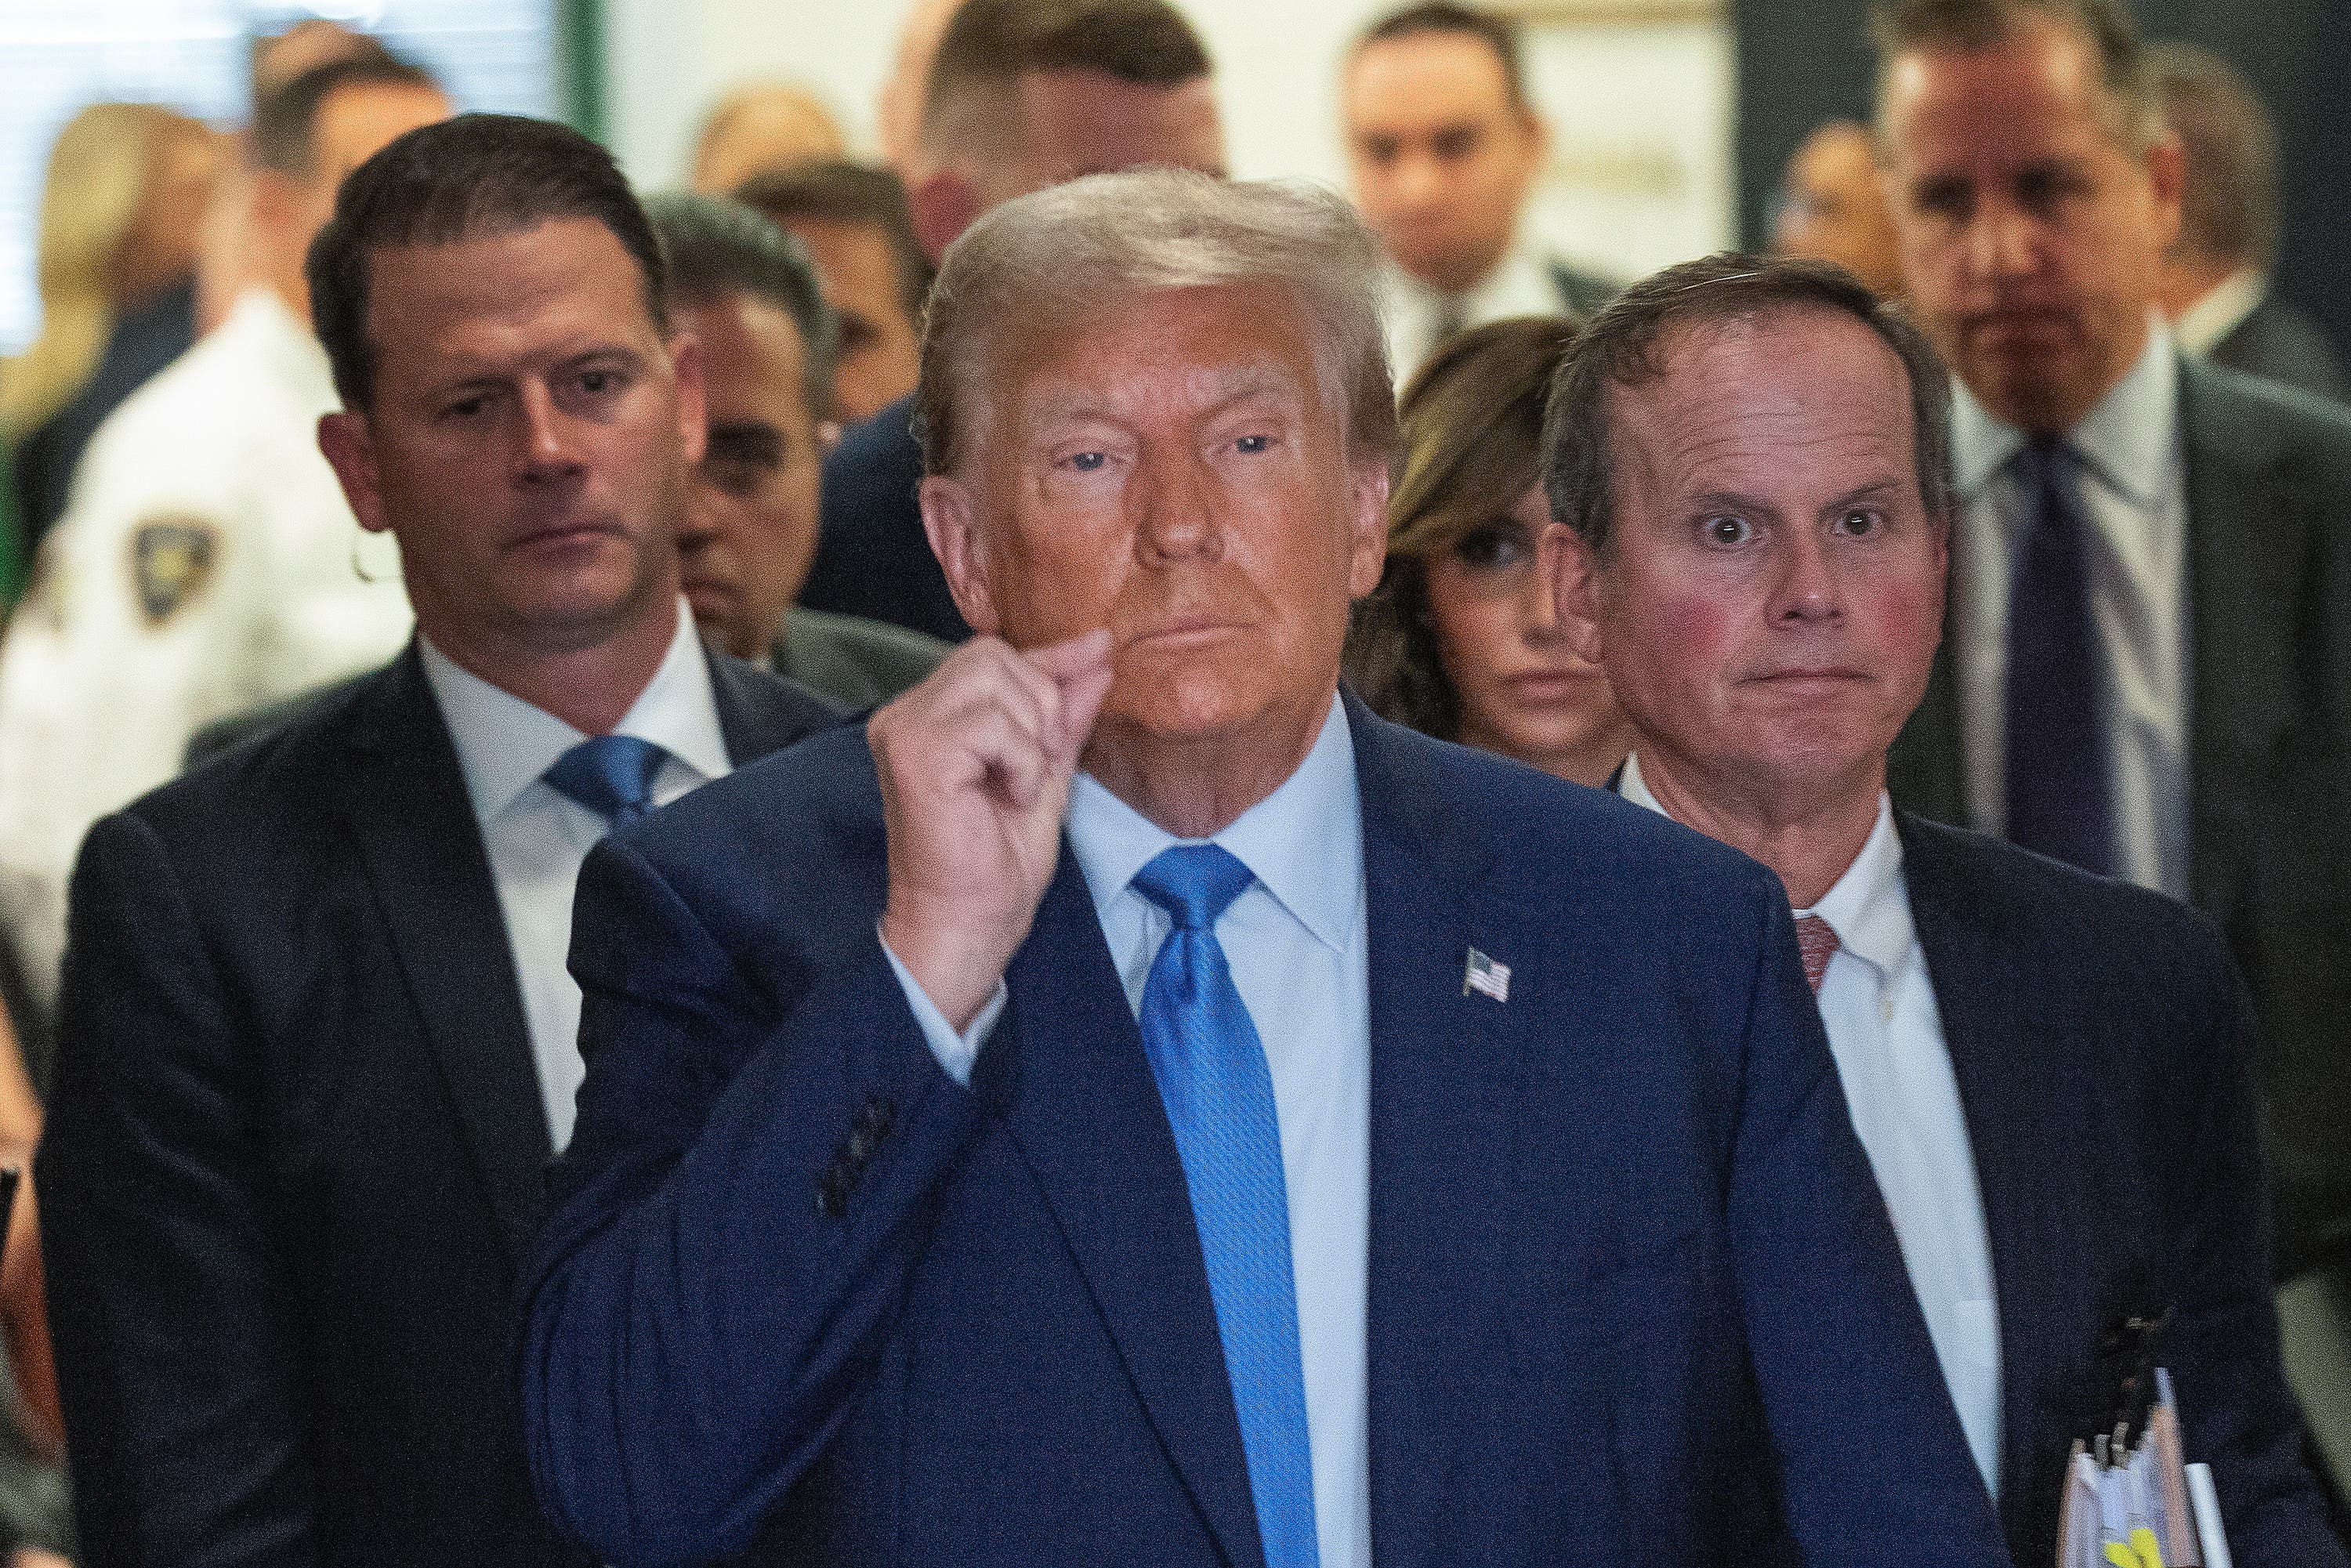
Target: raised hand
<point>976,764</point>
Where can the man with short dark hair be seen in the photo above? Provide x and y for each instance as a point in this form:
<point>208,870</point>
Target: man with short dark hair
<point>2149,672</point>
<point>316,1039</point>
<point>1444,146</point>
<point>208,562</point>
<point>2216,283</point>
<point>1022,94</point>
<point>2049,1073</point>
<point>854,224</point>
<point>743,290</point>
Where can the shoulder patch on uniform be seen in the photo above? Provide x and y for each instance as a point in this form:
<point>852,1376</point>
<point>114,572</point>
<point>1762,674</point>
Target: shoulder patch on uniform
<point>171,561</point>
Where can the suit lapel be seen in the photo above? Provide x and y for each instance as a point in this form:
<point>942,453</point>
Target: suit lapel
<point>2012,1093</point>
<point>758,713</point>
<point>1079,1101</point>
<point>406,804</point>
<point>2248,571</point>
<point>1443,1071</point>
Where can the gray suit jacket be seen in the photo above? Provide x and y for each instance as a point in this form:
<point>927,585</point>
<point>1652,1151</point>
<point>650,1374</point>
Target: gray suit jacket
<point>2284,342</point>
<point>2269,506</point>
<point>851,661</point>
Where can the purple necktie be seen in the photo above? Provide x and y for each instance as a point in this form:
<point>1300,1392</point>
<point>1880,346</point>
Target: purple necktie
<point>2056,773</point>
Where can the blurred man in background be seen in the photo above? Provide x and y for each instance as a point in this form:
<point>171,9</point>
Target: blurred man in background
<point>1022,94</point>
<point>1833,207</point>
<point>2216,277</point>
<point>853,221</point>
<point>744,292</point>
<point>208,563</point>
<point>759,127</point>
<point>1444,145</point>
<point>2148,670</point>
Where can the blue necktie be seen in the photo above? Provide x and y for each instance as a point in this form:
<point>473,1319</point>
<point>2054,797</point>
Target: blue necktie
<point>611,775</point>
<point>1210,1067</point>
<point>2057,745</point>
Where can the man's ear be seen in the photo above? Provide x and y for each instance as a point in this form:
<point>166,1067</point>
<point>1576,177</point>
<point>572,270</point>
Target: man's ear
<point>942,203</point>
<point>1367,552</point>
<point>951,520</point>
<point>685,369</point>
<point>1573,568</point>
<point>350,450</point>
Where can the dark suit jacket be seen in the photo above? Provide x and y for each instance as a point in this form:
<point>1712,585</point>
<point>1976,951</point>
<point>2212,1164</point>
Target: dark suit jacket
<point>872,557</point>
<point>2284,342</point>
<point>2269,573</point>
<point>800,1288</point>
<point>295,1148</point>
<point>2103,1050</point>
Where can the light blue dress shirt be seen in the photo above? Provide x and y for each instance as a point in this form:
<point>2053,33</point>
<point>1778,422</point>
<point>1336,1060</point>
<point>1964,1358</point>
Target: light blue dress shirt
<point>1877,1006</point>
<point>2133,485</point>
<point>1298,945</point>
<point>535,837</point>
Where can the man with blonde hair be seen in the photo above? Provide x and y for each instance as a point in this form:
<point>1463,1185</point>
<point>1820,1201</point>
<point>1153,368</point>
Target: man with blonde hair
<point>1128,1104</point>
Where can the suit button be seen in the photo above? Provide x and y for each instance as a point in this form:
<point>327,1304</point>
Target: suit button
<point>861,1146</point>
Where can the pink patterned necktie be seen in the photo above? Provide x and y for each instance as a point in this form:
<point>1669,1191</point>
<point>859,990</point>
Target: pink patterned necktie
<point>1815,940</point>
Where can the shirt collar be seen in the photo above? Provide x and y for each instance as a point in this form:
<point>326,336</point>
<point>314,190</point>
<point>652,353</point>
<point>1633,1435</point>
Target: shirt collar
<point>2222,309</point>
<point>1304,841</point>
<point>504,744</point>
<point>1868,908</point>
<point>2128,437</point>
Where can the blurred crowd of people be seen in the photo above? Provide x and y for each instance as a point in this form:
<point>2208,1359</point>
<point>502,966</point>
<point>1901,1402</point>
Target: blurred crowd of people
<point>220,529</point>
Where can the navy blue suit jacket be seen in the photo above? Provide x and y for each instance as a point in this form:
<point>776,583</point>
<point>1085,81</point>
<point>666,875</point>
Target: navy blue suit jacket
<point>802,1294</point>
<point>872,559</point>
<point>296,1149</point>
<point>2103,1048</point>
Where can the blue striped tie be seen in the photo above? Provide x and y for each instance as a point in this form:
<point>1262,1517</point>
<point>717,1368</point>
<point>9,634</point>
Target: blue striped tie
<point>611,775</point>
<point>1210,1067</point>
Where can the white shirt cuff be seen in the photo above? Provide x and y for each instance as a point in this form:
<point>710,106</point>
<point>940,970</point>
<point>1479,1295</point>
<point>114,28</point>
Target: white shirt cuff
<point>956,1051</point>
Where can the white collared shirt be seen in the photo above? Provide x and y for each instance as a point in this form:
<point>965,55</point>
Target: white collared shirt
<point>2133,485</point>
<point>2222,310</point>
<point>1520,284</point>
<point>1298,944</point>
<point>536,837</point>
<point>1877,1006</point>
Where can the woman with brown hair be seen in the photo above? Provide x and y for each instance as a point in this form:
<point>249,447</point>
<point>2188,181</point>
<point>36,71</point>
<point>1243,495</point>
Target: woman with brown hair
<point>1460,639</point>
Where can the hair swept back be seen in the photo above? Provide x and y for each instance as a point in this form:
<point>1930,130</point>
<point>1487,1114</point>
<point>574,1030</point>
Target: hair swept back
<point>1061,256</point>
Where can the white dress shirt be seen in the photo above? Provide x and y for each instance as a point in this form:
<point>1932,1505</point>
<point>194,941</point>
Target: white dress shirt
<point>536,837</point>
<point>1520,284</point>
<point>1877,1005</point>
<point>2133,480</point>
<point>2222,309</point>
<point>1297,943</point>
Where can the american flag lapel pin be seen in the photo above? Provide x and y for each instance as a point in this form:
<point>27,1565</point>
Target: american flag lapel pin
<point>1487,976</point>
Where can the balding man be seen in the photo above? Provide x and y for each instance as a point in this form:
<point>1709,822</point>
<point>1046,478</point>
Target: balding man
<point>1022,94</point>
<point>1128,1104</point>
<point>2051,1073</point>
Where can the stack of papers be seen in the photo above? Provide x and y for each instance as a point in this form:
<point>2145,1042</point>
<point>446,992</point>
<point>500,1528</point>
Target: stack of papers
<point>2132,1503</point>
